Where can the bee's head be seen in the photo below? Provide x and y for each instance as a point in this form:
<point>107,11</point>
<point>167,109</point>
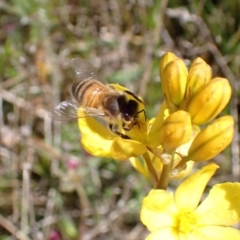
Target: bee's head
<point>128,109</point>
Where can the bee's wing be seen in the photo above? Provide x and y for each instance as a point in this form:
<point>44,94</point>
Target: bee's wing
<point>68,110</point>
<point>65,111</point>
<point>85,70</point>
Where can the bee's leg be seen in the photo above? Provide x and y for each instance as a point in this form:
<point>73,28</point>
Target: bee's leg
<point>118,133</point>
<point>143,110</point>
<point>136,120</point>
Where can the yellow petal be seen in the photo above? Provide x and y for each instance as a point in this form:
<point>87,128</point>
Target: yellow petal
<point>165,59</point>
<point>165,233</point>
<point>214,233</point>
<point>174,81</point>
<point>182,151</point>
<point>197,60</point>
<point>140,166</point>
<point>123,149</point>
<point>153,134</point>
<point>96,139</point>
<point>158,210</point>
<point>176,130</point>
<point>199,74</point>
<point>184,173</point>
<point>210,101</point>
<point>221,207</point>
<point>212,140</point>
<point>188,194</point>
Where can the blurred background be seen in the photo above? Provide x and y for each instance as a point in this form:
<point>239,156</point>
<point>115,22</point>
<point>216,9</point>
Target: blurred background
<point>50,188</point>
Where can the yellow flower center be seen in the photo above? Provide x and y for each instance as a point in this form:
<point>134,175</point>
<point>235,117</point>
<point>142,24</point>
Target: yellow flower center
<point>186,222</point>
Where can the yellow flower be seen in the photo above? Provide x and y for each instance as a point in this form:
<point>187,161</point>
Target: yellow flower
<point>179,216</point>
<point>176,130</point>
<point>174,80</point>
<point>199,74</point>
<point>211,140</point>
<point>209,101</point>
<point>165,60</point>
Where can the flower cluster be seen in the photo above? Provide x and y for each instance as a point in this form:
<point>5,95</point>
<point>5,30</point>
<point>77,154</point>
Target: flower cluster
<point>184,131</point>
<point>201,99</point>
<point>170,143</point>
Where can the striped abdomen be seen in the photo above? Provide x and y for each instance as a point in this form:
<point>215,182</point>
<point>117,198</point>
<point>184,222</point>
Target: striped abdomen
<point>90,93</point>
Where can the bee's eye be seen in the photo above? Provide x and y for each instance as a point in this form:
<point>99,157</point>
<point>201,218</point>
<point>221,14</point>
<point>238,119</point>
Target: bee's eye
<point>126,117</point>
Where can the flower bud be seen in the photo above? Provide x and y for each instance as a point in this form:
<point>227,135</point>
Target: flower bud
<point>210,101</point>
<point>176,130</point>
<point>212,140</point>
<point>155,125</point>
<point>197,60</point>
<point>165,59</point>
<point>199,74</point>
<point>174,81</point>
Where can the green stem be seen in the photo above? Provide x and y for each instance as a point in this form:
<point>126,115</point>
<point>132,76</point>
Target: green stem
<point>151,168</point>
<point>165,175</point>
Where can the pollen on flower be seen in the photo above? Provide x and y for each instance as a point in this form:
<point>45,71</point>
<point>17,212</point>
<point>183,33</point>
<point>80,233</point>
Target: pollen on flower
<point>186,222</point>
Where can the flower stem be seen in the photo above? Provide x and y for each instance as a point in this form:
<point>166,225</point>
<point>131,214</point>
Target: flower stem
<point>165,175</point>
<point>182,164</point>
<point>151,168</point>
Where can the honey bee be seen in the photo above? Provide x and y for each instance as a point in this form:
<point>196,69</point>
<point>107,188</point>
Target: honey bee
<point>116,107</point>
